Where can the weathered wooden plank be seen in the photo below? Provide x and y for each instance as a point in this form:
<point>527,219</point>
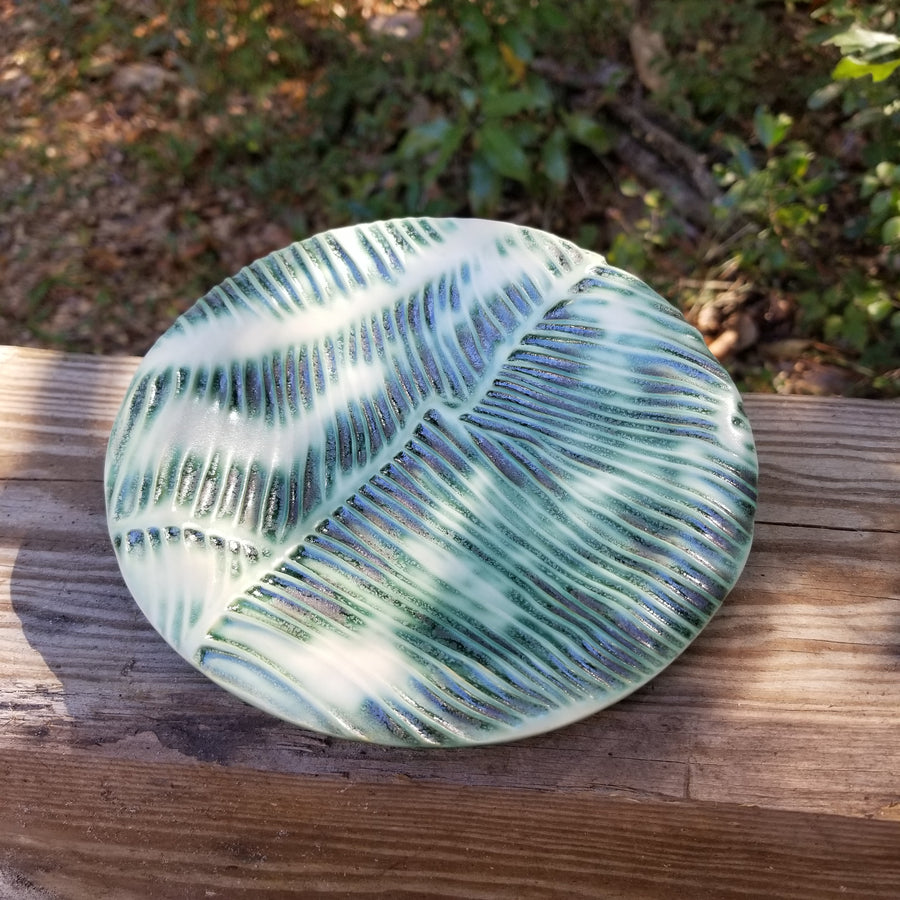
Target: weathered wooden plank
<point>807,642</point>
<point>138,829</point>
<point>825,462</point>
<point>748,712</point>
<point>57,410</point>
<point>790,700</point>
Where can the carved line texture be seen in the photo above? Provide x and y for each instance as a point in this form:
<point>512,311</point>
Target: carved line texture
<point>431,482</point>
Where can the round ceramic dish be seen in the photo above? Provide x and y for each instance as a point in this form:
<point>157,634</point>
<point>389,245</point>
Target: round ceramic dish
<point>431,482</point>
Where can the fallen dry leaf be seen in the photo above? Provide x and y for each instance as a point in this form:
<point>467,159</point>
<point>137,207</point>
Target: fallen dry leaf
<point>147,78</point>
<point>648,50</point>
<point>740,332</point>
<point>814,378</point>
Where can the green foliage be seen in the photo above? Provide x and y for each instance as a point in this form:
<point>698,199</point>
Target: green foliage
<point>863,52</point>
<point>724,57</point>
<point>881,187</point>
<point>864,79</point>
<point>784,196</point>
<point>324,120</point>
<point>868,59</point>
<point>633,249</point>
<point>490,105</point>
<point>858,314</point>
<point>864,311</point>
<point>806,150</point>
<point>509,122</point>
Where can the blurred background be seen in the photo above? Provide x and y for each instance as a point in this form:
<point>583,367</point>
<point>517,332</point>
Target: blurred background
<point>741,157</point>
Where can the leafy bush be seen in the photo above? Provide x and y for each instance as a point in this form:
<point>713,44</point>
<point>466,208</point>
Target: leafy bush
<point>828,153</point>
<point>530,111</point>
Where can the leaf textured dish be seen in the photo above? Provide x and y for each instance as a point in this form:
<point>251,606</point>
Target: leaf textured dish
<point>431,482</point>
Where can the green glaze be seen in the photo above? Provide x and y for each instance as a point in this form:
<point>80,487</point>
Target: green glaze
<point>431,482</point>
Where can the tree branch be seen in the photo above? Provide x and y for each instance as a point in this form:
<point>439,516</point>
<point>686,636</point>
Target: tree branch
<point>654,154</point>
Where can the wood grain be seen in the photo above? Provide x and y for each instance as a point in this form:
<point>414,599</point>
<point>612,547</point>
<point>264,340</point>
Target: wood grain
<point>779,722</point>
<point>260,833</point>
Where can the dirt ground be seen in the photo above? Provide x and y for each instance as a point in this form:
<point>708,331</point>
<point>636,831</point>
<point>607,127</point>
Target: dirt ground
<point>100,251</point>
